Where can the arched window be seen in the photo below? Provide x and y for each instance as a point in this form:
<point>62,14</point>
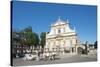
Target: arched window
<point>59,31</point>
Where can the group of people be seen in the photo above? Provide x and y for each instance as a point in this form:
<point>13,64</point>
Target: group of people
<point>38,55</point>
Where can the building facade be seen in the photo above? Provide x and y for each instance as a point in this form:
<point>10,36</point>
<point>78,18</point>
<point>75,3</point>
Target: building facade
<point>61,37</point>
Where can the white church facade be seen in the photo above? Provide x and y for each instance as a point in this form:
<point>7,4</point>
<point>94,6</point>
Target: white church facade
<point>61,37</point>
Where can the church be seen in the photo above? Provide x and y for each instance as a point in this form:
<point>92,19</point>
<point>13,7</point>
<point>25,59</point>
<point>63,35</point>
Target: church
<point>61,37</point>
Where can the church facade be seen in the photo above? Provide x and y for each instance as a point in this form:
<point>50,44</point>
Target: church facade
<point>61,37</point>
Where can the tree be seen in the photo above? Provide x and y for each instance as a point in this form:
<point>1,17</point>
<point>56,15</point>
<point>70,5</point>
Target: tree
<point>95,45</point>
<point>43,39</point>
<point>30,38</point>
<point>26,37</point>
<point>15,36</point>
<point>22,37</point>
<point>36,39</point>
<point>28,29</point>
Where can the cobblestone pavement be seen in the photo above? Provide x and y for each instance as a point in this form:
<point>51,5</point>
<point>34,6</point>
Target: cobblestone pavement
<point>66,58</point>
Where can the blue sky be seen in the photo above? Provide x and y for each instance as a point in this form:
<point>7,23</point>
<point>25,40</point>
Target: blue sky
<point>41,15</point>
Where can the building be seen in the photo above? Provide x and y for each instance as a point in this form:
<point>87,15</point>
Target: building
<point>61,37</point>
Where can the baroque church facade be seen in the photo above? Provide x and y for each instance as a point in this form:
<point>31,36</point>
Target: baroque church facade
<point>61,36</point>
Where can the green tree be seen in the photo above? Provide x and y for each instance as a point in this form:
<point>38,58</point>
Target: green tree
<point>28,29</point>
<point>95,45</point>
<point>30,38</point>
<point>22,38</point>
<point>15,36</point>
<point>26,37</point>
<point>36,40</point>
<point>43,39</point>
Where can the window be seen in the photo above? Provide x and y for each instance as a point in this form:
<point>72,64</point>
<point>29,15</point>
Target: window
<point>59,31</point>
